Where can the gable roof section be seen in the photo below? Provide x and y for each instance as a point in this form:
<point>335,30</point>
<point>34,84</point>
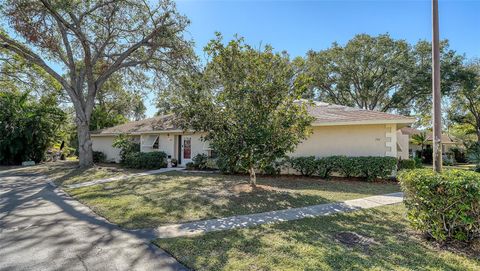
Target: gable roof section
<point>325,115</point>
<point>158,123</point>
<point>331,114</point>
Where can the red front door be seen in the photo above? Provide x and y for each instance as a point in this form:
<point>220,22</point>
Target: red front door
<point>187,148</point>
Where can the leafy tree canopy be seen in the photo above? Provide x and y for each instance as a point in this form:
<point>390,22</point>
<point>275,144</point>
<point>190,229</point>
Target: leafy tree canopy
<point>92,41</point>
<point>465,101</point>
<point>28,126</point>
<point>246,99</point>
<point>378,73</point>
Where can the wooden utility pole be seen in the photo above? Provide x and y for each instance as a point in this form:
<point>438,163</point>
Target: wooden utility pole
<point>437,111</point>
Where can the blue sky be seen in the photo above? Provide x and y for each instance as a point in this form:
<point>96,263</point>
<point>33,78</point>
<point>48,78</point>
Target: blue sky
<point>298,26</point>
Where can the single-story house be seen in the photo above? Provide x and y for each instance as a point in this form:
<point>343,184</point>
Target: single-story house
<point>337,130</point>
<point>406,133</point>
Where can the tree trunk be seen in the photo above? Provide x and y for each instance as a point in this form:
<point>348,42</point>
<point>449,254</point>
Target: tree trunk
<point>253,177</point>
<point>478,132</point>
<point>84,144</point>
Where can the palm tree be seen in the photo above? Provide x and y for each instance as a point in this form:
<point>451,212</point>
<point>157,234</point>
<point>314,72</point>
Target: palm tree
<point>420,139</point>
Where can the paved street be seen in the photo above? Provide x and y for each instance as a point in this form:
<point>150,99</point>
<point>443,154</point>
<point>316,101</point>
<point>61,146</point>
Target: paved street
<point>43,229</point>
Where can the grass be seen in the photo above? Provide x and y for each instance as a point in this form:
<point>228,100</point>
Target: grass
<point>176,197</point>
<point>458,166</point>
<point>309,244</point>
<point>67,172</point>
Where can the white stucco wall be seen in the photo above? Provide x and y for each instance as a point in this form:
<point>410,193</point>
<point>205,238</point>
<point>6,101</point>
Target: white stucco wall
<point>349,140</point>
<point>403,144</point>
<point>104,144</point>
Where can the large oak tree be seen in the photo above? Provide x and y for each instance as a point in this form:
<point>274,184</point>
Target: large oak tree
<point>378,73</point>
<point>465,102</point>
<point>81,44</point>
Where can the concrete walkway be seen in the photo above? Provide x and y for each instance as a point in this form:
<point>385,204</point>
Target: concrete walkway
<point>123,177</point>
<point>243,221</point>
<point>42,228</point>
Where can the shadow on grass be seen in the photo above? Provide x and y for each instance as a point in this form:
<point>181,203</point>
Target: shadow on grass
<point>309,244</point>
<point>160,200</point>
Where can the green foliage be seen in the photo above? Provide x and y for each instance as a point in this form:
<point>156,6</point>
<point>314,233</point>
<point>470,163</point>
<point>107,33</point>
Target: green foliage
<point>145,160</point>
<point>420,139</point>
<point>407,164</point>
<point>459,155</point>
<point>28,127</point>
<point>200,161</point>
<point>275,168</point>
<point>372,167</point>
<point>327,165</point>
<point>368,167</point>
<point>348,166</point>
<point>126,145</point>
<point>418,162</point>
<point>444,205</point>
<point>116,104</point>
<point>465,102</point>
<point>247,99</point>
<point>190,166</point>
<point>306,165</point>
<point>474,153</point>
<point>378,72</point>
<point>99,157</point>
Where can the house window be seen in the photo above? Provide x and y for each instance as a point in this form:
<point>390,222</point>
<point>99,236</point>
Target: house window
<point>156,143</point>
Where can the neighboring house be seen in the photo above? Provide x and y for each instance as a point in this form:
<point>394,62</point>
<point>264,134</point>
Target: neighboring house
<point>405,134</point>
<point>337,130</point>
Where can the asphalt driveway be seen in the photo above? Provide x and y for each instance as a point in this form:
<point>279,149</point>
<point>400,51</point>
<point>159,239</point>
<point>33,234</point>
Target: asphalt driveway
<point>43,229</point>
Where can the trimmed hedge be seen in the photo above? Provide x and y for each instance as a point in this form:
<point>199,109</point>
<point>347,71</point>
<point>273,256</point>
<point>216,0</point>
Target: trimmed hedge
<point>445,206</point>
<point>145,160</point>
<point>306,165</point>
<point>368,167</point>
<point>407,164</point>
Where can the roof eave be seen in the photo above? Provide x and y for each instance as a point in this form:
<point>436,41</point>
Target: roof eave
<point>363,122</point>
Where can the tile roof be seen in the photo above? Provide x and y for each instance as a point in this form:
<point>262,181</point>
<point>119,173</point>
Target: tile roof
<point>158,123</point>
<point>324,113</point>
<point>328,113</point>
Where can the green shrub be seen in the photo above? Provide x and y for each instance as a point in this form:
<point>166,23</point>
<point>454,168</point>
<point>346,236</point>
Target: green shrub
<point>145,160</point>
<point>126,146</point>
<point>369,167</point>
<point>306,165</point>
<point>445,206</point>
<point>327,165</point>
<point>348,166</point>
<point>407,164</point>
<point>274,168</point>
<point>418,162</point>
<point>373,167</point>
<point>99,157</point>
<point>459,155</point>
<point>228,165</point>
<point>190,166</point>
<point>200,161</point>
<point>212,163</point>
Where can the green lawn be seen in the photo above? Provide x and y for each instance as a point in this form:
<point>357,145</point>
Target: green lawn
<point>67,172</point>
<point>175,197</point>
<point>310,244</point>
